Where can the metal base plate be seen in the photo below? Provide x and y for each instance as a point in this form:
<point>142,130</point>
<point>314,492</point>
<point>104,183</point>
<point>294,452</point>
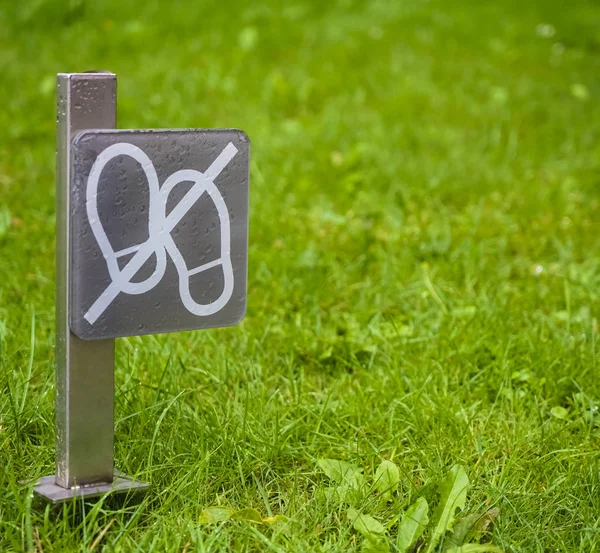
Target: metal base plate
<point>47,489</point>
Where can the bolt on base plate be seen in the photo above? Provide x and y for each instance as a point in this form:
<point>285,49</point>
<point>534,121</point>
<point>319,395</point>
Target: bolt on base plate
<point>47,489</point>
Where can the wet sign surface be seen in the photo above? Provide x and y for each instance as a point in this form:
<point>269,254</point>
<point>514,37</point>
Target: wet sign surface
<point>159,231</point>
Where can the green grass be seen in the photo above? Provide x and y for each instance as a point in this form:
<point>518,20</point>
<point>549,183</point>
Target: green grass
<point>424,268</point>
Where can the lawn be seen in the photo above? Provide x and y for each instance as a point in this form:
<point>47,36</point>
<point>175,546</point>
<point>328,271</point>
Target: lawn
<point>424,272</point>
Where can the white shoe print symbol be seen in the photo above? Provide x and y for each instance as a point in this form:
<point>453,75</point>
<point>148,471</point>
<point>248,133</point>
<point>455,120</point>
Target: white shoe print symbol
<point>160,225</point>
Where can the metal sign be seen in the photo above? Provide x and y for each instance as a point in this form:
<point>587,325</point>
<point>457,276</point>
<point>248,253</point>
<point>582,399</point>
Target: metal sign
<point>159,231</point>
<point>151,236</point>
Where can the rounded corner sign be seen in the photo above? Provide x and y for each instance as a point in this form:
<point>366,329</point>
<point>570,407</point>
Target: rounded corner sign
<point>159,231</point>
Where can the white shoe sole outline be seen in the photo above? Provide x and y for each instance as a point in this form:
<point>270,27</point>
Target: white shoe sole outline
<point>160,225</point>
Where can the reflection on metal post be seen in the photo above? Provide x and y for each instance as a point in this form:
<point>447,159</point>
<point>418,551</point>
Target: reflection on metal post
<point>84,369</point>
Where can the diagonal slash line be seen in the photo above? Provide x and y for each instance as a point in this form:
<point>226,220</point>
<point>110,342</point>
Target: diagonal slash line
<point>146,250</point>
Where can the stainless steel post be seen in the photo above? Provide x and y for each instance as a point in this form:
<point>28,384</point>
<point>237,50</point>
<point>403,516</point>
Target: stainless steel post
<point>84,369</point>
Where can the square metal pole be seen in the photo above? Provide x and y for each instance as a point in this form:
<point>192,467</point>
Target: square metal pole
<point>84,369</point>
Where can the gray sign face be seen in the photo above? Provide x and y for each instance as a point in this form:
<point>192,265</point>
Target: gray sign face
<point>159,231</point>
